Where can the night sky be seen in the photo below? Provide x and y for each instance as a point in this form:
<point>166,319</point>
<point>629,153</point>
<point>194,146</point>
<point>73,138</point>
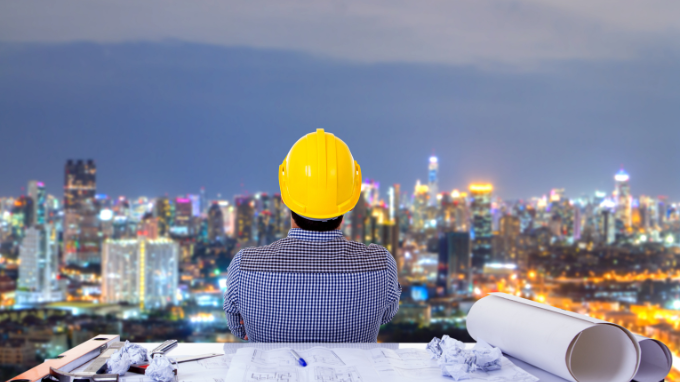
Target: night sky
<point>167,113</point>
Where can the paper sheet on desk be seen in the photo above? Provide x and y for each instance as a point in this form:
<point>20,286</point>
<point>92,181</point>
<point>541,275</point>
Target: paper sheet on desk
<point>353,365</point>
<point>572,346</point>
<point>408,365</point>
<point>323,365</point>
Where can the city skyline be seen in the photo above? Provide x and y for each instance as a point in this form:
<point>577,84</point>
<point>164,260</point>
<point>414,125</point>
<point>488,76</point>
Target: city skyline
<point>382,194</point>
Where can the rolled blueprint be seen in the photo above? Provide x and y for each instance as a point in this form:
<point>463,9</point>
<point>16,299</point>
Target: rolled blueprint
<point>574,347</point>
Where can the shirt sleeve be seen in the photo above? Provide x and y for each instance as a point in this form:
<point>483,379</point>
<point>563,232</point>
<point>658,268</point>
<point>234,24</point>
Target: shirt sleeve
<point>231,299</point>
<point>393,290</point>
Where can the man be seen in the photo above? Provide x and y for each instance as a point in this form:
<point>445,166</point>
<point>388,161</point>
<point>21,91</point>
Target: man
<point>314,285</point>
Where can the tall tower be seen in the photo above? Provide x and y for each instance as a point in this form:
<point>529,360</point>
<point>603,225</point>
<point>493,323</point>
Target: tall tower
<point>215,223</point>
<point>36,191</point>
<point>624,200</point>
<point>432,179</point>
<point>81,225</point>
<point>481,223</point>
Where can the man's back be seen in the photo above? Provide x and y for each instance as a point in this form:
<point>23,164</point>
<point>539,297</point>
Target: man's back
<point>312,287</point>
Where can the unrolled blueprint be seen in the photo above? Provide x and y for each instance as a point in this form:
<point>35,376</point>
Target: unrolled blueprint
<point>323,365</point>
<point>353,365</point>
<point>404,365</point>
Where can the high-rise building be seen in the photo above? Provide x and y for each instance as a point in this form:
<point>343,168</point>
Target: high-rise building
<point>508,234</point>
<point>215,223</point>
<point>245,214</point>
<point>140,271</point>
<point>358,220</point>
<point>624,199</point>
<point>433,179</point>
<point>81,224</point>
<point>38,258</point>
<point>454,265</point>
<point>419,208</point>
<point>36,191</point>
<point>481,233</point>
<point>183,222</point>
<point>22,215</point>
<point>163,212</point>
<point>228,216</point>
<point>606,226</point>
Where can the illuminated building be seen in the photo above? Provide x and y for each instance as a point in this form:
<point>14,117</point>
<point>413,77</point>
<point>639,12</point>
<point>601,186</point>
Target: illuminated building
<point>395,203</point>
<point>421,201</point>
<point>182,223</point>
<point>163,212</point>
<point>508,234</point>
<point>227,216</point>
<point>22,215</point>
<point>606,226</point>
<point>432,179</point>
<point>624,200</point>
<point>215,223</point>
<point>245,212</point>
<point>371,191</point>
<point>81,224</point>
<point>38,256</point>
<point>454,265</point>
<point>358,220</point>
<point>148,227</point>
<point>140,271</point>
<point>203,201</point>
<point>36,191</point>
<point>481,232</point>
<point>195,205</point>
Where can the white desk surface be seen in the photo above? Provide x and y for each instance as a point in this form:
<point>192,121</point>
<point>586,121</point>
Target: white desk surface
<point>228,348</point>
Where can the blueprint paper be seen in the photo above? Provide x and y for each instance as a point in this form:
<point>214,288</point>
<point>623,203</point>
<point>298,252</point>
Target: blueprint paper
<point>323,365</point>
<point>571,346</point>
<point>406,365</point>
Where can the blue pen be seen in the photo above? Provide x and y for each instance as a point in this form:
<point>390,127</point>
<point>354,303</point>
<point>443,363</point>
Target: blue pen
<point>298,358</point>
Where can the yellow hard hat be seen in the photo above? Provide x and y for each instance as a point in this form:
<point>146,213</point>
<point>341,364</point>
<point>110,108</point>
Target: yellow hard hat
<point>319,178</point>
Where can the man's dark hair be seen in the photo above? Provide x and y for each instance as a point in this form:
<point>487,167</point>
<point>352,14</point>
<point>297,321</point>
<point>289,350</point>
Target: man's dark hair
<point>314,225</point>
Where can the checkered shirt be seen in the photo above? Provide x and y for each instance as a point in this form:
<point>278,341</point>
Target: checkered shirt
<point>311,287</point>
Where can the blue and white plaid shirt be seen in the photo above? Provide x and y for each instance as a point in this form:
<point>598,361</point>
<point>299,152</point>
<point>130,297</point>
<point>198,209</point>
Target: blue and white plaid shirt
<point>311,287</point>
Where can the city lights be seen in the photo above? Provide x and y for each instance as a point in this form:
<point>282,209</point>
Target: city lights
<point>603,254</point>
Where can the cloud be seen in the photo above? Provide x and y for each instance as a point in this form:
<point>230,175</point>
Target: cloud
<point>480,32</point>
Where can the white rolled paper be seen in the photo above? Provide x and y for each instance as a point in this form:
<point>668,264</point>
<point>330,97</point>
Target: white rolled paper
<point>572,346</point>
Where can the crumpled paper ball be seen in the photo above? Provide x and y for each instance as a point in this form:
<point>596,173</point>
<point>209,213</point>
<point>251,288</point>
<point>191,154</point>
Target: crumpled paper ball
<point>119,363</point>
<point>458,362</point>
<point>161,369</point>
<point>137,353</point>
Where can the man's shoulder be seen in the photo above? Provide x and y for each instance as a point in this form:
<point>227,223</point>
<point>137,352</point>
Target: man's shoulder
<point>298,256</point>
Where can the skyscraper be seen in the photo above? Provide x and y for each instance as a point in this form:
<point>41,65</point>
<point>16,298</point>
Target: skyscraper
<point>182,222</point>
<point>454,265</point>
<point>421,202</point>
<point>245,213</point>
<point>22,215</point>
<point>481,223</point>
<point>624,200</point>
<point>432,179</point>
<point>140,271</point>
<point>36,191</point>
<point>163,212</point>
<point>81,225</point>
<point>509,232</point>
<point>38,255</point>
<point>358,220</point>
<point>215,223</point>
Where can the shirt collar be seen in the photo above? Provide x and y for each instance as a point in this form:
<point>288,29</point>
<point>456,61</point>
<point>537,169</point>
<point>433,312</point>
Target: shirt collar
<point>298,233</point>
